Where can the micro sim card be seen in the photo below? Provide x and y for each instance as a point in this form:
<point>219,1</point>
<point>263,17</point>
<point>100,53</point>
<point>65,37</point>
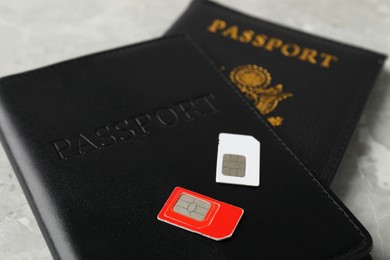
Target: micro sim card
<point>238,160</point>
<point>200,214</point>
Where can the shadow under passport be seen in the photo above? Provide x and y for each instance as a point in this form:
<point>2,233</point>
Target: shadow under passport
<point>358,146</point>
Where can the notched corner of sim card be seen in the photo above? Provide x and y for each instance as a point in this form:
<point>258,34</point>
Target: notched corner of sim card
<point>254,139</point>
<point>233,230</point>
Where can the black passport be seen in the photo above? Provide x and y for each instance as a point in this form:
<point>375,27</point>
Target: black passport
<point>312,90</point>
<point>100,142</point>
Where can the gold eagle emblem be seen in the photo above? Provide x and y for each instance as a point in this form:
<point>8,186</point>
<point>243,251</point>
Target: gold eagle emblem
<point>254,82</point>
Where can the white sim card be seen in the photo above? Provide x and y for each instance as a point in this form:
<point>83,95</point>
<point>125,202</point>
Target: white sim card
<point>238,160</point>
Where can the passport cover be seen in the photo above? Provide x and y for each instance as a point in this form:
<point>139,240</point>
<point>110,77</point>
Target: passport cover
<point>99,143</point>
<point>312,90</point>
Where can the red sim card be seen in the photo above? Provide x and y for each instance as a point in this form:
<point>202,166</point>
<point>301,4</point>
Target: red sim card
<point>200,214</point>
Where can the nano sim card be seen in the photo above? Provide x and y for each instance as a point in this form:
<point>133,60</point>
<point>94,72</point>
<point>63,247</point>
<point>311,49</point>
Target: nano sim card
<point>238,160</point>
<point>200,214</point>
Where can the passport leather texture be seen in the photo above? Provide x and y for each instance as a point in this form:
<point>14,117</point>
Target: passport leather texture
<point>312,90</point>
<point>99,143</point>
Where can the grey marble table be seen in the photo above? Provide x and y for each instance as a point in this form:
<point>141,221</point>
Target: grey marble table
<point>40,32</point>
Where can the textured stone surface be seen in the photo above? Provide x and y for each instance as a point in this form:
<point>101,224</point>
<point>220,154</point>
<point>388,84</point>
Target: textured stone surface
<point>40,32</point>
